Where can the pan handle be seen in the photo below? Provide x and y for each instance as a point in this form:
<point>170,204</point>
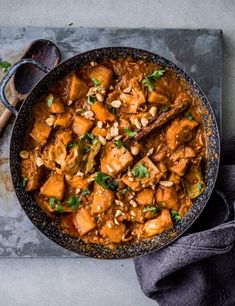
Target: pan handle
<point>8,76</point>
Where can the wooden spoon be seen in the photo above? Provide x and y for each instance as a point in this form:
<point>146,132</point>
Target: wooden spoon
<point>26,77</point>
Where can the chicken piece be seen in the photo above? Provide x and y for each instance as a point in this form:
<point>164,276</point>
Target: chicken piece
<point>101,112</point>
<point>71,165</point>
<point>167,197</point>
<point>180,166</point>
<point>54,186</point>
<point>60,152</point>
<point>41,131</point>
<point>132,101</point>
<point>115,160</point>
<point>81,125</point>
<point>123,124</point>
<point>30,171</point>
<point>76,182</point>
<point>157,225</point>
<point>102,74</point>
<point>174,178</point>
<point>157,98</point>
<point>102,200</point>
<point>99,132</point>
<point>48,157</point>
<point>182,152</point>
<point>57,106</point>
<point>113,232</point>
<point>178,131</point>
<point>64,120</point>
<point>159,156</point>
<point>83,221</point>
<point>145,197</point>
<point>136,214</point>
<point>77,88</point>
<point>152,175</point>
<point>65,137</point>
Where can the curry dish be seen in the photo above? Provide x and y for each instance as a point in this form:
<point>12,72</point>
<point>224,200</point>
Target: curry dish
<point>115,151</point>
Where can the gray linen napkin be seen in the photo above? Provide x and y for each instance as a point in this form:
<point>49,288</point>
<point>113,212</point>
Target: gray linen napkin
<point>198,269</point>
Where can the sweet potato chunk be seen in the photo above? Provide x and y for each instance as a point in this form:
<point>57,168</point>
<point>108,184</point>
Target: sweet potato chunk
<point>157,225</point>
<point>115,160</point>
<point>84,221</point>
<point>101,112</point>
<point>77,89</point>
<point>152,176</point>
<point>99,132</point>
<point>41,131</point>
<point>64,120</point>
<point>102,200</point>
<point>157,98</point>
<point>76,181</point>
<point>102,74</point>
<point>30,171</point>
<point>54,187</point>
<point>112,231</point>
<point>180,167</point>
<point>65,137</point>
<point>167,197</point>
<point>145,197</point>
<point>81,125</point>
<point>57,106</point>
<point>177,132</point>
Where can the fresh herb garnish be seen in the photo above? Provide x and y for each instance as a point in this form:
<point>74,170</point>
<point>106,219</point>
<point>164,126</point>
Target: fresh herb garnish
<point>149,79</point>
<point>4,65</point>
<point>127,189</point>
<point>175,216</point>
<point>72,145</point>
<point>90,137</point>
<point>151,208</point>
<point>74,202</point>
<point>50,100</point>
<point>87,149</point>
<point>80,111</point>
<point>85,191</point>
<point>200,186</point>
<point>129,132</point>
<point>55,204</point>
<point>91,99</point>
<point>96,82</point>
<point>140,171</point>
<point>189,116</point>
<point>113,110</point>
<point>105,181</point>
<point>119,143</point>
<point>165,108</point>
<point>23,181</point>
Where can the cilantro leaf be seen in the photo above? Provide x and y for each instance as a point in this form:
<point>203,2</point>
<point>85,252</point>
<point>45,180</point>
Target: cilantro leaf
<point>140,171</point>
<point>90,137</point>
<point>175,216</point>
<point>189,116</point>
<point>200,186</point>
<point>23,181</point>
<point>149,79</point>
<point>96,82</point>
<point>119,143</point>
<point>91,99</point>
<point>59,209</point>
<point>55,204</point>
<point>129,132</point>
<point>127,189</point>
<point>104,180</point>
<point>85,191</point>
<point>165,108</point>
<point>4,65</point>
<point>74,202</point>
<point>151,208</point>
<point>72,144</point>
<point>50,100</point>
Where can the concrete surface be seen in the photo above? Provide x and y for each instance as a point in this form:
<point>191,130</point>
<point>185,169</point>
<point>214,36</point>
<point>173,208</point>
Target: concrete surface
<point>69,281</point>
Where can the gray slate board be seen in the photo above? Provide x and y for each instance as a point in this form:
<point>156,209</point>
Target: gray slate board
<point>198,52</point>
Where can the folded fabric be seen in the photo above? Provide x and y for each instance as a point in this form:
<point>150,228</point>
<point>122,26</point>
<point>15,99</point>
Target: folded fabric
<point>199,267</point>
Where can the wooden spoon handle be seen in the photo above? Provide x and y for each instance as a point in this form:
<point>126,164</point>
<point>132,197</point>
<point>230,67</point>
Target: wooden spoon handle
<point>6,115</point>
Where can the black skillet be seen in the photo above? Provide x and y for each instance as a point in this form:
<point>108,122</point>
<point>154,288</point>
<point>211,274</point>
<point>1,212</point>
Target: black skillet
<point>34,212</point>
